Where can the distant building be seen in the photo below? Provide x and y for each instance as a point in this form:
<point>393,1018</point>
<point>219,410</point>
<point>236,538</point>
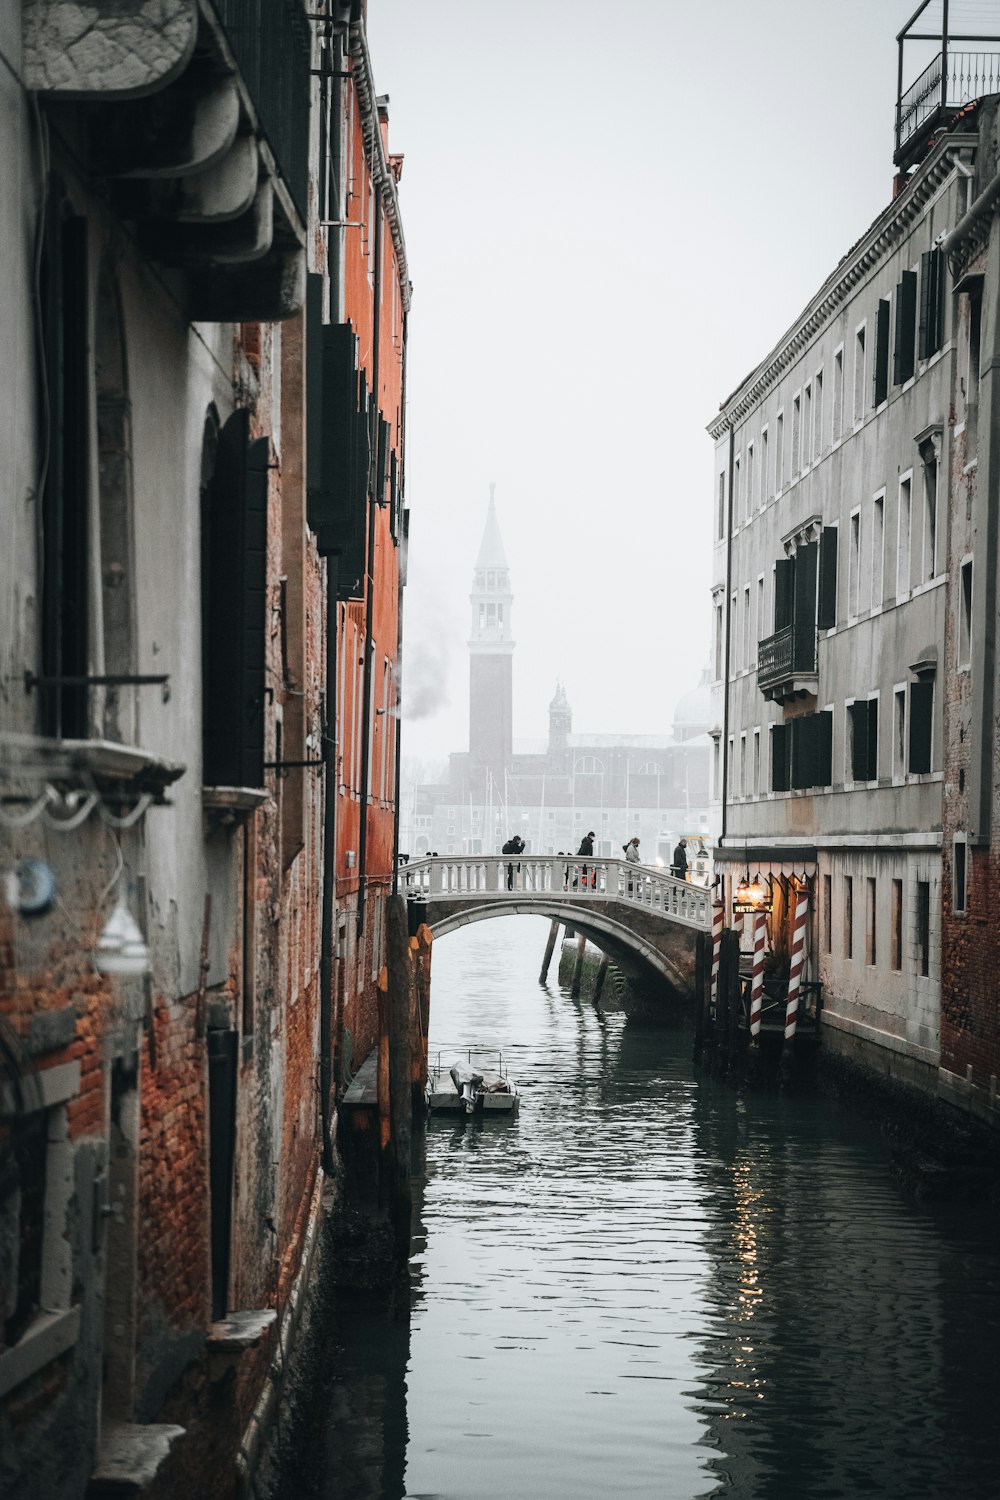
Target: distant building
<point>855,674</point>
<point>555,790</point>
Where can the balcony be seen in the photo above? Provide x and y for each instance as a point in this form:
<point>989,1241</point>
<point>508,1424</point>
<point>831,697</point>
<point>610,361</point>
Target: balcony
<point>950,79</point>
<point>787,664</point>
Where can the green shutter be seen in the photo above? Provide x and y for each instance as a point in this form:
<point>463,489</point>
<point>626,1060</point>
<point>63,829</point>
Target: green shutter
<point>872,747</point>
<point>921,720</point>
<point>806,569</point>
<point>779,758</point>
<point>931,285</point>
<point>826,614</point>
<point>906,311</point>
<point>784,576</point>
<point>824,749</point>
<point>881,364</point>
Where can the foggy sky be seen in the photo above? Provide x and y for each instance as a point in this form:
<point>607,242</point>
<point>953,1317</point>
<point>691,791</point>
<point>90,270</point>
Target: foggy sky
<point>612,212</point>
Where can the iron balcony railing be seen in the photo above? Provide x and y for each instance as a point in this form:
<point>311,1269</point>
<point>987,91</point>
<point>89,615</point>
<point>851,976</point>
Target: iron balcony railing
<point>270,41</point>
<point>950,80</point>
<point>790,652</point>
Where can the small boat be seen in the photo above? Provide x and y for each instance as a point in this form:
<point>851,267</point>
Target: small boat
<point>465,1088</point>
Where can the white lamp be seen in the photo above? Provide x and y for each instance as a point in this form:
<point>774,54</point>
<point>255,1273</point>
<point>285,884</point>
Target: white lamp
<point>120,949</point>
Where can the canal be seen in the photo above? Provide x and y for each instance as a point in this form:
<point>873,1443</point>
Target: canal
<point>649,1286</point>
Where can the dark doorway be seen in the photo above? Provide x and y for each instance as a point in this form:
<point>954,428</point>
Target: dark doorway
<point>221,1151</point>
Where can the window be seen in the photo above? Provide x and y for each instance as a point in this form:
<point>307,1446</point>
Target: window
<point>760,608</point>
<point>780,770</point>
<point>896,917</point>
<point>732,634</point>
<point>906,327</point>
<point>848,916</point>
<point>796,433</point>
<point>871,928</point>
<point>721,529</point>
<point>826,604</point>
<point>931,303</point>
<point>749,494</point>
<point>765,486</point>
<point>827,913</point>
<point>807,425</point>
<point>747,653</point>
<point>903,540</point>
<point>862,739</point>
<point>878,549</point>
<point>959,881</point>
<point>972,378</point>
<point>817,435</point>
<point>779,452</point>
<point>899,736</point>
<point>718,642</point>
<point>860,374</point>
<point>921,720</point>
<point>756,763</point>
<point>743,764</point>
<point>965,615</point>
<point>737,492</point>
<point>930,468</point>
<point>880,383</point>
<point>802,752</point>
<point>923,915</point>
<point>716,772</point>
<point>854,566</point>
<point>838,395</point>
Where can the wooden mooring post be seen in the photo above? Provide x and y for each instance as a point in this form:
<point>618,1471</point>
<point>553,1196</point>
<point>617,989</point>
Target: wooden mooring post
<point>727,1005</point>
<point>550,944</point>
<point>602,970</point>
<point>581,948</point>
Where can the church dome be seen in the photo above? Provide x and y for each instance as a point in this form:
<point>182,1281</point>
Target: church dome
<point>693,714</point>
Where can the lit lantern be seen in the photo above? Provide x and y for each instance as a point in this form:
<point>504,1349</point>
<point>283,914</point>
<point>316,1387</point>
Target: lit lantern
<point>121,950</point>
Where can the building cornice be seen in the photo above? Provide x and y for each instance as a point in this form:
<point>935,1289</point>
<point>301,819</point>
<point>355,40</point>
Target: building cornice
<point>364,82</point>
<point>879,241</point>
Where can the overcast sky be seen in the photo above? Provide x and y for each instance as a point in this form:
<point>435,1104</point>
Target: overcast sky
<point>612,211</point>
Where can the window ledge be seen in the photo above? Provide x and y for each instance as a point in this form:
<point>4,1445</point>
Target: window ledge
<point>228,804</point>
<point>130,1454</point>
<point>234,1334</point>
<point>79,762</point>
<point>50,1335</point>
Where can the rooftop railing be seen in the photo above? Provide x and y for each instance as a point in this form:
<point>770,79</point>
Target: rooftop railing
<point>950,80</point>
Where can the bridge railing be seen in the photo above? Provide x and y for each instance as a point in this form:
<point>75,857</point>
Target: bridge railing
<point>572,877</point>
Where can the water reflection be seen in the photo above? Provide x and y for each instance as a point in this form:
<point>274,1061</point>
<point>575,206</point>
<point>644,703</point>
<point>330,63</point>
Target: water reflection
<point>647,1286</point>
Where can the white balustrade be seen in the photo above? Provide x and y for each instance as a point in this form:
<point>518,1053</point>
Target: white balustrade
<point>568,878</point>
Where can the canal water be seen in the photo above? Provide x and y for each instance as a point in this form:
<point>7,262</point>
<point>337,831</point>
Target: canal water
<point>649,1286</point>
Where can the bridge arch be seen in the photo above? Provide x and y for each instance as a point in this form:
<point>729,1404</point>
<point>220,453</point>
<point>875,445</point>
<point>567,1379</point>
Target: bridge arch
<point>629,949</point>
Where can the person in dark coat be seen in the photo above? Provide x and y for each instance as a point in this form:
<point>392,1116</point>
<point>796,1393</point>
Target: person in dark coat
<point>513,846</point>
<point>586,847</point>
<point>679,868</point>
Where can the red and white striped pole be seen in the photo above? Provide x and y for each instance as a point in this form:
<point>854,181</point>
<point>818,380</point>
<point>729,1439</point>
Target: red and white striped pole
<point>797,960</point>
<point>718,921</point>
<point>757,979</point>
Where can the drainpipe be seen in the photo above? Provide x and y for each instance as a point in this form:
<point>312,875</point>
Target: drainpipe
<point>729,636</point>
<point>330,778</point>
<point>329,868</point>
<point>370,569</point>
<point>399,620</point>
<point>982,206</point>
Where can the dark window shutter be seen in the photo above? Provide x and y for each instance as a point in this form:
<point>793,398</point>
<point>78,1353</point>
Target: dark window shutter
<point>826,615</point>
<point>394,495</point>
<point>931,285</point>
<point>921,713</point>
<point>802,736</point>
<point>806,568</point>
<point>234,610</point>
<point>872,746</point>
<point>859,740</point>
<point>253,642</point>
<point>337,455</point>
<point>382,466</point>
<point>906,312</point>
<point>779,758</point>
<point>784,576</point>
<point>881,371</point>
<point>824,749</point>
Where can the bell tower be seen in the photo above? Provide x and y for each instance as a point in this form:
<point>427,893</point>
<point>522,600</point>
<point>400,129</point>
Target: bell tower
<point>491,649</point>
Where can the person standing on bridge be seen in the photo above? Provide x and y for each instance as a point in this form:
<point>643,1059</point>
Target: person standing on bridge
<point>586,847</point>
<point>512,846</point>
<point>631,850</point>
<point>679,867</point>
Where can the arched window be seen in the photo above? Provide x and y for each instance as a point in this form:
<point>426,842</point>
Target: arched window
<point>650,768</point>
<point>588,765</point>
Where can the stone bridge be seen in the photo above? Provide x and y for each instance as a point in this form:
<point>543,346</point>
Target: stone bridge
<point>644,919</point>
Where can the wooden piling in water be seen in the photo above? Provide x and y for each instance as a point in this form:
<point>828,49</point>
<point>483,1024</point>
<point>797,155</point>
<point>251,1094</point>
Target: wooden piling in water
<point>581,948</point>
<point>602,970</point>
<point>550,944</point>
<point>402,1002</point>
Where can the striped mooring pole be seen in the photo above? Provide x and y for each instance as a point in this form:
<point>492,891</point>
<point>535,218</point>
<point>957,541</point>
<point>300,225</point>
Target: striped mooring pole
<point>757,980</point>
<point>718,921</point>
<point>798,958</point>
